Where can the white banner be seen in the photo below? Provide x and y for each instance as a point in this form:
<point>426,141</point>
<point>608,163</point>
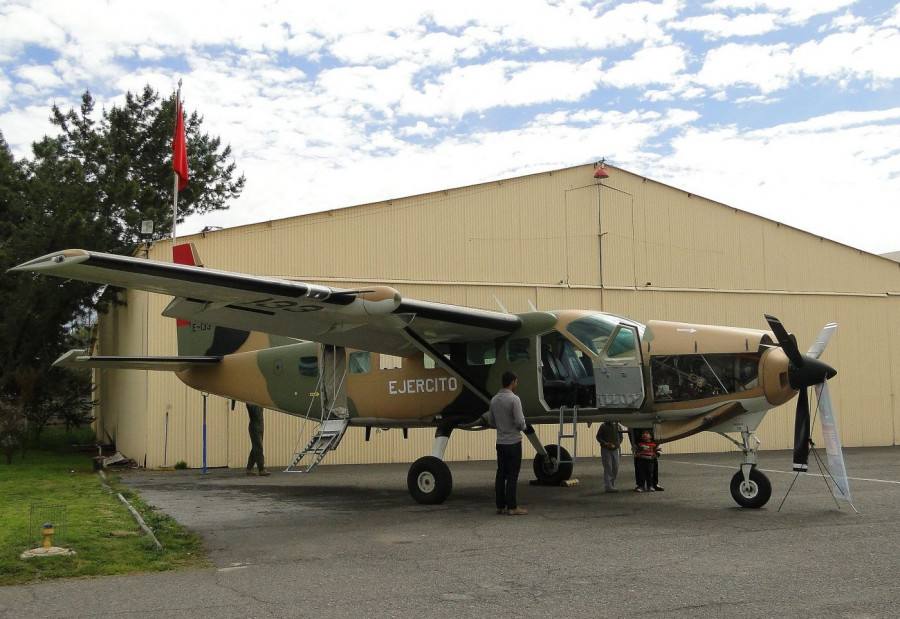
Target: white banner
<point>841,490</point>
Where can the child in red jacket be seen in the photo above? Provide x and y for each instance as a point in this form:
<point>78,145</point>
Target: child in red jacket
<point>645,455</point>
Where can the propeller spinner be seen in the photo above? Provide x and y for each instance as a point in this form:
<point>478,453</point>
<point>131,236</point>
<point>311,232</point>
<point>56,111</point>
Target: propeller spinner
<point>805,371</point>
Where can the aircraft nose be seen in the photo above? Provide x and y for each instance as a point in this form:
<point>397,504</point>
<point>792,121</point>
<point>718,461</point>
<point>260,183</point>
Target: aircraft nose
<point>812,372</point>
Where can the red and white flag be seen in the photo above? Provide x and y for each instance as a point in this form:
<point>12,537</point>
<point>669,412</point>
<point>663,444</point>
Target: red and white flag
<point>179,147</point>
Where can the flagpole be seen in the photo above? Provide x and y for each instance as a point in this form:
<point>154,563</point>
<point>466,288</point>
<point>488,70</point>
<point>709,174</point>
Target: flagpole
<point>175,193</point>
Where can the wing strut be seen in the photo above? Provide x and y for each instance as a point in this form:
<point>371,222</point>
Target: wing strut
<point>420,343</point>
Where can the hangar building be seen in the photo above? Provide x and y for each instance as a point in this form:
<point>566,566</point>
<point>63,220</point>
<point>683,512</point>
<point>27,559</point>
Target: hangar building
<point>563,239</point>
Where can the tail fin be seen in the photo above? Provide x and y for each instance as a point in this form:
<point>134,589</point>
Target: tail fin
<point>200,338</point>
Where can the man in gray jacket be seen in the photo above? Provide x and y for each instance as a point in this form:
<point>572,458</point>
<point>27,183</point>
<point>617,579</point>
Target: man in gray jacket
<point>507,417</point>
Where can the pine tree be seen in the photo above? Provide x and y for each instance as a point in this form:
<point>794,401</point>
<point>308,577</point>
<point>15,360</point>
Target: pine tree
<point>89,187</point>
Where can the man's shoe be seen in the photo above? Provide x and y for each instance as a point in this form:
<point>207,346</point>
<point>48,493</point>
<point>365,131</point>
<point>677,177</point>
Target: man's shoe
<point>501,512</point>
<point>517,511</point>
<point>639,489</point>
<point>658,488</point>
<point>250,472</point>
<point>264,473</point>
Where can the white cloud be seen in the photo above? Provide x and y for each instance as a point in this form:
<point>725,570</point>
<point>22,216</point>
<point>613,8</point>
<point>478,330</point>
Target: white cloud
<point>653,65</point>
<point>475,88</point>
<point>859,54</point>
<point>833,175</point>
<point>796,11</point>
<point>420,129</point>
<point>847,21</point>
<point>719,25</point>
<point>433,94</point>
<point>766,67</point>
<point>22,126</point>
<point>41,77</point>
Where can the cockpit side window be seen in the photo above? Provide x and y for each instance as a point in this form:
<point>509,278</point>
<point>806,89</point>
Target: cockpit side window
<point>623,345</point>
<point>593,332</point>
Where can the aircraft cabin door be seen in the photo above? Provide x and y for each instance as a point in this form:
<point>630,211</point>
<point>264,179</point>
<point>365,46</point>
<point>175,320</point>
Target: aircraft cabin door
<point>334,388</point>
<point>619,375</point>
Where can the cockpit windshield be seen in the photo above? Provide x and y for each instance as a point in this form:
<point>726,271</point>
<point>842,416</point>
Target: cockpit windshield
<point>593,331</point>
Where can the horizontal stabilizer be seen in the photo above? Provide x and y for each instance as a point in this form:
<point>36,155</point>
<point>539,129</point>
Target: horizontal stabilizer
<point>81,359</point>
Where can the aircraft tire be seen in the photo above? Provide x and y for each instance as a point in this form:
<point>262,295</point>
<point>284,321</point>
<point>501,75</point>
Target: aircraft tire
<point>559,472</point>
<point>429,480</point>
<point>753,494</point>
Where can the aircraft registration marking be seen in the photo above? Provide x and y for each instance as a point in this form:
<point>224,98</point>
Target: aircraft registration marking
<point>284,305</point>
<point>423,385</point>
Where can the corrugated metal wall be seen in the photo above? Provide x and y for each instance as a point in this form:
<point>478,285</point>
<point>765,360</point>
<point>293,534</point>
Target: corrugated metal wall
<point>632,247</point>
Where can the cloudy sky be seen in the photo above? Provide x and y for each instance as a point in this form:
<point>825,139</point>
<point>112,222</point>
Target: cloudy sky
<point>784,108</point>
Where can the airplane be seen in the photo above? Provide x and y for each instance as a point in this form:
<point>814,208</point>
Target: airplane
<point>274,342</point>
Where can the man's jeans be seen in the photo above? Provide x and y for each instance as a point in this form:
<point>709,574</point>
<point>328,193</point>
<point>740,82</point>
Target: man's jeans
<point>509,461</point>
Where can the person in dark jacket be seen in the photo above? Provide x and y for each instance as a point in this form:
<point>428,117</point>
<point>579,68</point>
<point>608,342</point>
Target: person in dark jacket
<point>610,438</point>
<point>255,429</point>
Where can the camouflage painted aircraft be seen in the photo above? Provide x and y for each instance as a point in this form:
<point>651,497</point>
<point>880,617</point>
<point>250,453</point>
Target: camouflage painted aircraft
<point>378,360</point>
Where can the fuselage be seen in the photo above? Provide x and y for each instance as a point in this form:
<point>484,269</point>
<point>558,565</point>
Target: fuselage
<point>607,366</point>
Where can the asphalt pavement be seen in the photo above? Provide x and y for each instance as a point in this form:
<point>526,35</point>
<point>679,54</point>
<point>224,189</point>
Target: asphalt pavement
<point>348,541</point>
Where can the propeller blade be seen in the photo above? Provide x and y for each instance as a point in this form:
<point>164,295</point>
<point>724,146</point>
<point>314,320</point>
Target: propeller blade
<point>788,344</point>
<point>841,489</point>
<point>801,433</point>
<point>815,351</point>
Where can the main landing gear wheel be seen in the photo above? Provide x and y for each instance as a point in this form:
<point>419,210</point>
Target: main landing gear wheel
<point>556,468</point>
<point>429,480</point>
<point>753,493</point>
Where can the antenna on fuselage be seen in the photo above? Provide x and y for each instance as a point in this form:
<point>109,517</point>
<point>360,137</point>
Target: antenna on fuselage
<point>500,305</point>
<point>531,305</point>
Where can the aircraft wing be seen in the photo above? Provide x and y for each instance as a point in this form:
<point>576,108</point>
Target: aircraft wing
<point>81,359</point>
<point>372,318</point>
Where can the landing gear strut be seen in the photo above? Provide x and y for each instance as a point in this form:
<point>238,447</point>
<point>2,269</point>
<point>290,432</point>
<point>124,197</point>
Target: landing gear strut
<point>749,487</point>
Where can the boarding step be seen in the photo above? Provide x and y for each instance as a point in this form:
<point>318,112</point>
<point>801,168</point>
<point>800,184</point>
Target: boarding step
<point>326,438</point>
<point>567,416</point>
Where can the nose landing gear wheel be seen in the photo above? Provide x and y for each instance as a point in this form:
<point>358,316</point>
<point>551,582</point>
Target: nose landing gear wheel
<point>753,493</point>
<point>429,480</point>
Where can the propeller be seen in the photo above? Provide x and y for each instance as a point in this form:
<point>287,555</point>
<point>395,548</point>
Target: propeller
<point>804,371</point>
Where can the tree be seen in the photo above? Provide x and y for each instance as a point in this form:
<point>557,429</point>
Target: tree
<point>90,186</point>
<point>125,161</point>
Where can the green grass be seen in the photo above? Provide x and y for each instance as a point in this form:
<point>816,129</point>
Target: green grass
<point>93,523</point>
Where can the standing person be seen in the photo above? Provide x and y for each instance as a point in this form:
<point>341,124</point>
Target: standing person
<point>646,453</point>
<point>610,438</point>
<point>507,417</point>
<point>255,429</point>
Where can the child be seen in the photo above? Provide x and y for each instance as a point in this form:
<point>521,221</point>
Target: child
<point>645,455</point>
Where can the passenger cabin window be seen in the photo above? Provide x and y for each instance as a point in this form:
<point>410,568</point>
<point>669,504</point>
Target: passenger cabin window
<point>308,366</point>
<point>518,349</point>
<point>481,353</point>
<point>360,362</point>
<point>390,362</point>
